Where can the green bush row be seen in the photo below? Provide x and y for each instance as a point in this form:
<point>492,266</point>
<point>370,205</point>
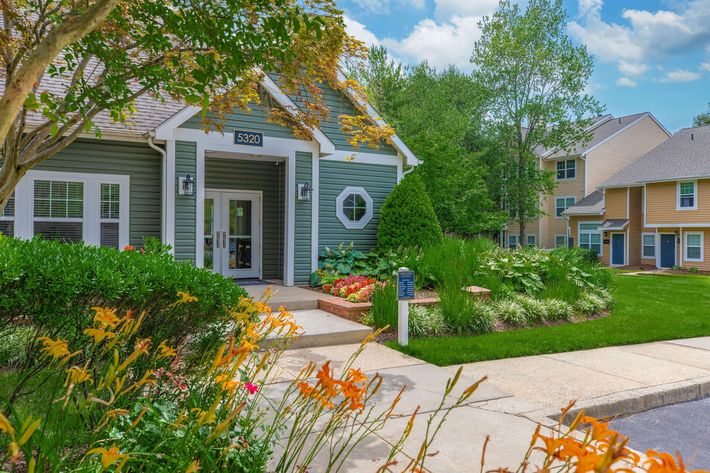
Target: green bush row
<point>53,286</point>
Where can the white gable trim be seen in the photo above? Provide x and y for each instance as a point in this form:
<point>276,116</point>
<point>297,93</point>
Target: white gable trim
<point>166,130</point>
<point>326,145</point>
<point>638,120</point>
<point>354,95</point>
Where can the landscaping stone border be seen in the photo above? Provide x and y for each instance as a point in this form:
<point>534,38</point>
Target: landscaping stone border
<point>355,310</point>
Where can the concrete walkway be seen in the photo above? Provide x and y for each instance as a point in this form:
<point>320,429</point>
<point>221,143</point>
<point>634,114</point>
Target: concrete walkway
<point>606,381</point>
<point>520,393</point>
<point>459,443</point>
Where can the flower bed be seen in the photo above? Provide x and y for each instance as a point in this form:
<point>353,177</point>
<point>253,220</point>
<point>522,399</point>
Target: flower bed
<point>352,288</point>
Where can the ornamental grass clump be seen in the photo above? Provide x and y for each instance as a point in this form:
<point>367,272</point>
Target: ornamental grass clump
<point>510,312</point>
<point>535,309</point>
<point>590,303</point>
<point>426,321</point>
<point>558,310</point>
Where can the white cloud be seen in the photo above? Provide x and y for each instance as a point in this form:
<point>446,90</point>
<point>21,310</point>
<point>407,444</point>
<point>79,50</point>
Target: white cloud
<point>680,75</point>
<point>445,9</point>
<point>632,68</point>
<point>359,31</point>
<point>645,35</point>
<point>705,66</point>
<point>626,82</point>
<point>439,43</point>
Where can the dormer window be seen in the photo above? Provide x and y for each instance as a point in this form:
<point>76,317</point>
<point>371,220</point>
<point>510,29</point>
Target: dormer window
<point>687,195</point>
<point>566,169</point>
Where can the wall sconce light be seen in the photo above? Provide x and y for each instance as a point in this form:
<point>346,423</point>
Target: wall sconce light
<point>305,191</point>
<point>186,185</point>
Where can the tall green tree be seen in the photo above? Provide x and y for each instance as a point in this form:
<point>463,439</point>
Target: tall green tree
<point>438,115</point>
<point>702,119</point>
<point>535,80</point>
<point>107,53</point>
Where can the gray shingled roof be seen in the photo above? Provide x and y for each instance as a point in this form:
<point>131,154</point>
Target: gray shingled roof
<point>591,204</point>
<point>614,224</point>
<point>684,155</point>
<point>150,113</point>
<point>602,129</point>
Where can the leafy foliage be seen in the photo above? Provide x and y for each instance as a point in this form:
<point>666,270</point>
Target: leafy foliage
<point>510,312</point>
<point>346,261</point>
<point>426,321</point>
<point>407,219</point>
<point>109,53</point>
<point>54,285</point>
<point>702,119</point>
<point>446,138</point>
<point>535,79</point>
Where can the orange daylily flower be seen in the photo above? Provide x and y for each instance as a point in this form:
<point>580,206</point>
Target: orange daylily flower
<point>99,334</point>
<point>164,351</point>
<point>77,375</point>
<point>57,349</point>
<point>110,456</point>
<point>356,375</point>
<point>185,298</point>
<point>106,317</point>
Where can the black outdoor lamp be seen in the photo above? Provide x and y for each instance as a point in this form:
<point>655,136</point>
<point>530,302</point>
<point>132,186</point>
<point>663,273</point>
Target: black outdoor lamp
<point>187,185</point>
<point>305,191</point>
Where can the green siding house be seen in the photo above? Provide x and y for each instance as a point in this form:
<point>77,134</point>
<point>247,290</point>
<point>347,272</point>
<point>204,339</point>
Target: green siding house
<point>250,202</point>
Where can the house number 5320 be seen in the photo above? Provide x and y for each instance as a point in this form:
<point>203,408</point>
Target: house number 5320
<point>248,138</point>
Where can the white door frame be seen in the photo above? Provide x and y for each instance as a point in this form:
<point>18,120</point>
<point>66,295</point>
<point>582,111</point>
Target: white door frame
<point>611,248</point>
<point>220,256</point>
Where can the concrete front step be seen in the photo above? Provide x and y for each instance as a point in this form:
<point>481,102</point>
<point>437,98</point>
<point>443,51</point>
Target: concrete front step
<point>292,298</point>
<point>324,329</point>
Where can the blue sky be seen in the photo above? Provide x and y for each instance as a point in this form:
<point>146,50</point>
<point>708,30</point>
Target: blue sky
<point>650,55</point>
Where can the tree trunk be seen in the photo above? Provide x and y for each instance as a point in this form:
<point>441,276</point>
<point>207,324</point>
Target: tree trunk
<point>7,186</point>
<point>522,234</point>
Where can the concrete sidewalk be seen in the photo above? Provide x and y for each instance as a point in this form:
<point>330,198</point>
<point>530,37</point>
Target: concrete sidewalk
<point>520,393</point>
<point>605,382</point>
<point>459,443</point>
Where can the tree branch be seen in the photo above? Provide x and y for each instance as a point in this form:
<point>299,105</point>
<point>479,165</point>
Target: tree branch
<point>32,69</point>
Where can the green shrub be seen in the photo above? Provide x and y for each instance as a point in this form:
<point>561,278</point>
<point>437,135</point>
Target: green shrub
<point>426,321</point>
<point>590,303</point>
<point>55,285</point>
<point>558,310</point>
<point>480,317</point>
<point>510,312</point>
<point>535,309</point>
<point>605,296</point>
<point>384,306</point>
<point>407,218</point>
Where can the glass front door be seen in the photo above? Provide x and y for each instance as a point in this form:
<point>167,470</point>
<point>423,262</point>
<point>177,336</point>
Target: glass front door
<point>232,238</point>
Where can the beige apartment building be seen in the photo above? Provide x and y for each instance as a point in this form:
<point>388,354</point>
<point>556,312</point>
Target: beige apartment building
<point>656,211</point>
<point>616,142</point>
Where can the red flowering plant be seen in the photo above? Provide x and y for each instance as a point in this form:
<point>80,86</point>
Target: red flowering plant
<point>352,288</point>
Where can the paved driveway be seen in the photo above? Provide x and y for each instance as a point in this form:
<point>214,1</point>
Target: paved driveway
<point>683,428</point>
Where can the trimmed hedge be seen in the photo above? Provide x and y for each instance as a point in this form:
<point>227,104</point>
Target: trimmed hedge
<point>54,285</point>
<point>407,218</point>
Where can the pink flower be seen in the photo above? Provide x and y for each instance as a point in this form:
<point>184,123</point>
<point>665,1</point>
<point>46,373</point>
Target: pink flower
<point>252,388</point>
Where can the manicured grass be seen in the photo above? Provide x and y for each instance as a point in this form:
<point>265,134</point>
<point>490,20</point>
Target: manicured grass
<point>646,309</point>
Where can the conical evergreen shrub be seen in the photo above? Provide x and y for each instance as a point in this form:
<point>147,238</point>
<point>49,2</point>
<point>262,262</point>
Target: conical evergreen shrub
<point>407,218</point>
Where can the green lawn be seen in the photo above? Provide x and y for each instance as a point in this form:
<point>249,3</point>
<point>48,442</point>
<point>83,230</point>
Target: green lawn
<point>646,309</point>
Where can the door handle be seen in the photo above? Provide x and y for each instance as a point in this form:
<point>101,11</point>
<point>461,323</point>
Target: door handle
<point>216,243</point>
